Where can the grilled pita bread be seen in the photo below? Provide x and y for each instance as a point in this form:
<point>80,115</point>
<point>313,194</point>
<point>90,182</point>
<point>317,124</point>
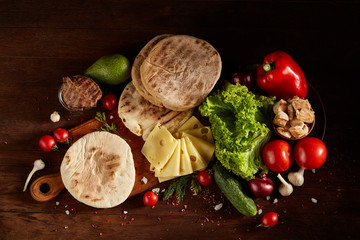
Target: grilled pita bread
<point>98,170</point>
<point>135,70</point>
<point>140,116</point>
<point>180,71</point>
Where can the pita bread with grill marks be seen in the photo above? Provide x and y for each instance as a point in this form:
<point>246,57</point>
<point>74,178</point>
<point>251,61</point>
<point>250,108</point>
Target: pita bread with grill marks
<point>140,116</point>
<point>98,170</point>
<point>135,70</point>
<point>180,71</point>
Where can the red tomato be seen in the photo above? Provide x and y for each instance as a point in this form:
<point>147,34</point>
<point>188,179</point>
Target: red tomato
<point>270,219</point>
<point>205,178</point>
<point>150,198</point>
<point>61,135</point>
<point>109,101</point>
<point>277,155</point>
<point>310,153</point>
<point>47,143</point>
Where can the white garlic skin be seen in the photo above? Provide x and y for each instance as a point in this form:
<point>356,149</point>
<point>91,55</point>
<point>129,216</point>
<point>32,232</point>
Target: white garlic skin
<point>55,116</point>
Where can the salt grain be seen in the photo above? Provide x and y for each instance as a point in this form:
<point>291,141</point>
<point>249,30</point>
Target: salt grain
<point>313,170</point>
<point>144,180</point>
<point>218,207</point>
<point>125,212</point>
<point>163,190</point>
<point>268,198</point>
<point>260,211</point>
<point>314,200</point>
<point>66,206</point>
<point>111,117</point>
<point>275,201</point>
<point>67,212</point>
<point>57,203</point>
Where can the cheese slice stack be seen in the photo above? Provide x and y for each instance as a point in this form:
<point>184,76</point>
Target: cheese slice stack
<point>189,149</point>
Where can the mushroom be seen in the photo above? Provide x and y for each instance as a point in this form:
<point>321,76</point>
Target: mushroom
<point>297,178</point>
<point>38,165</point>
<point>285,189</point>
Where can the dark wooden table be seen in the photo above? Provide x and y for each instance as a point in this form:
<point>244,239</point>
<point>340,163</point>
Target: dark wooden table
<point>42,41</point>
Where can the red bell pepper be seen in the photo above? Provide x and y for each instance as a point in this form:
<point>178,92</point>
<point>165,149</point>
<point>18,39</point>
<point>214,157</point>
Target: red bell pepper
<point>280,76</point>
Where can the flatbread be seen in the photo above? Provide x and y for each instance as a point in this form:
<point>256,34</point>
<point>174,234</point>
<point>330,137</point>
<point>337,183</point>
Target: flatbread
<point>140,116</point>
<point>181,71</point>
<point>135,70</point>
<point>98,170</point>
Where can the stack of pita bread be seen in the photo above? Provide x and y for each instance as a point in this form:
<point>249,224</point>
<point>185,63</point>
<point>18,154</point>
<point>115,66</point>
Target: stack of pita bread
<point>171,75</point>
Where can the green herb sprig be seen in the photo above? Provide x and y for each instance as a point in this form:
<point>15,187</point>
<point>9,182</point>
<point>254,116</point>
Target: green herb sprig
<point>179,187</point>
<point>101,117</point>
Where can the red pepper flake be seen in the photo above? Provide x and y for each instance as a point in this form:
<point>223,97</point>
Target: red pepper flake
<point>159,219</point>
<point>100,234</point>
<point>183,210</point>
<point>198,220</point>
<point>323,213</point>
<point>132,219</point>
<point>207,219</point>
<point>95,212</point>
<point>66,227</point>
<point>185,206</point>
<point>55,230</point>
<point>218,224</point>
<point>122,224</point>
<point>339,189</point>
<point>107,220</point>
<point>320,180</point>
<point>195,211</point>
<point>331,173</point>
<point>153,206</point>
<point>170,211</point>
<point>93,226</point>
<point>125,217</point>
<point>212,221</point>
<point>43,124</point>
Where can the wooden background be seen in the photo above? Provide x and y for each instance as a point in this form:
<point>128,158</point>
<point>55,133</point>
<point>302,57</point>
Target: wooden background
<point>42,41</point>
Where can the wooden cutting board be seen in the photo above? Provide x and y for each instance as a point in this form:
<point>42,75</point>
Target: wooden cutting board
<point>142,166</point>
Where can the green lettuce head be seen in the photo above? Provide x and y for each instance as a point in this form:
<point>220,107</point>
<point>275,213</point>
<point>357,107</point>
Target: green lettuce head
<point>240,125</point>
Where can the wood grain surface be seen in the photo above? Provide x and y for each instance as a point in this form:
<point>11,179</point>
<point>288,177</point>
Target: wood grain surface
<point>42,41</point>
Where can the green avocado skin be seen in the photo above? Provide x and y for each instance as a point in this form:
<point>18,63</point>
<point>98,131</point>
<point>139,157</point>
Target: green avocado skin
<point>232,190</point>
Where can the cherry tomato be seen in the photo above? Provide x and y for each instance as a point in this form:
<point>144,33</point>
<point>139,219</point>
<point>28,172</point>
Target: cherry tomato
<point>47,143</point>
<point>277,155</point>
<point>205,178</point>
<point>61,135</point>
<point>150,198</point>
<point>109,101</point>
<point>270,219</point>
<point>310,153</point>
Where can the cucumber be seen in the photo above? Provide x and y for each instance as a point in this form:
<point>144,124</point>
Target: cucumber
<point>232,189</point>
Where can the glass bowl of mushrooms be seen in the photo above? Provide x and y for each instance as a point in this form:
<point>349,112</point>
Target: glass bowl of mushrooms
<point>293,118</point>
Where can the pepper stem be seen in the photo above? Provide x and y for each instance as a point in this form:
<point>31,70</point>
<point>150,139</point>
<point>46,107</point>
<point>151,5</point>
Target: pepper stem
<point>268,66</point>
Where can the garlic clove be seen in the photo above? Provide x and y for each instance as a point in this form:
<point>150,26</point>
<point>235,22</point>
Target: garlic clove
<point>285,189</point>
<point>38,165</point>
<point>297,178</point>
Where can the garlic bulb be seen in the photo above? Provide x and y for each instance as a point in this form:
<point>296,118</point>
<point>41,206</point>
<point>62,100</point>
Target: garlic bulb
<point>38,165</point>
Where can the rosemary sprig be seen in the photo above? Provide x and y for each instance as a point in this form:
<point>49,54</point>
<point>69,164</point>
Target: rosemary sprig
<point>101,117</point>
<point>179,187</point>
<point>195,186</point>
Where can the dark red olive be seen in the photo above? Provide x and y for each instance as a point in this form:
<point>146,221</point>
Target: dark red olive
<point>261,187</point>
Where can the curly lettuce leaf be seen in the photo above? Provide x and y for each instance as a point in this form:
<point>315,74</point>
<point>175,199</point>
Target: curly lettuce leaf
<point>240,126</point>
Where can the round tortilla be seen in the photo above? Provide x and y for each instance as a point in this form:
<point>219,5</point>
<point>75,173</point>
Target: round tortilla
<point>181,71</point>
<point>98,170</point>
<point>135,70</point>
<point>140,116</point>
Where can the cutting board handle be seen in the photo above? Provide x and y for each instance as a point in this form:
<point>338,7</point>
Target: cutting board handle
<point>46,187</point>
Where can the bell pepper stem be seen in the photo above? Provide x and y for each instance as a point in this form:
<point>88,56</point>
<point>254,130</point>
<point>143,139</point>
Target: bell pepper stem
<point>268,66</point>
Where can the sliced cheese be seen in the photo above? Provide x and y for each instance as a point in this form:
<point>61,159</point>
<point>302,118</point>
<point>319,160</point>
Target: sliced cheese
<point>197,161</point>
<point>185,164</point>
<point>159,147</point>
<point>163,179</point>
<point>201,132</point>
<point>172,167</point>
<point>205,148</point>
<point>192,123</point>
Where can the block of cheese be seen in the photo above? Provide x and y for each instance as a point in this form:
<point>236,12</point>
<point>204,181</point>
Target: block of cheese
<point>185,164</point>
<point>201,132</point>
<point>205,148</point>
<point>192,123</point>
<point>172,167</point>
<point>197,161</point>
<point>159,147</point>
